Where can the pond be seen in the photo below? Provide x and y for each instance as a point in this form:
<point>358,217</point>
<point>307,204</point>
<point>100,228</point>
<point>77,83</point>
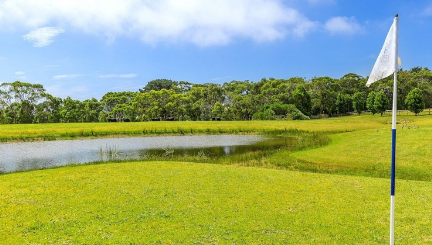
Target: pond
<point>46,154</point>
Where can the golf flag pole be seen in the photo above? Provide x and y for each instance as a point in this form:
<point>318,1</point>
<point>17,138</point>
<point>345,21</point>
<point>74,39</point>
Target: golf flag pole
<point>394,111</point>
<point>385,65</point>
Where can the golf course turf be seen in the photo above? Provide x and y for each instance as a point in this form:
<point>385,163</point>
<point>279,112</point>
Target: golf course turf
<point>337,193</point>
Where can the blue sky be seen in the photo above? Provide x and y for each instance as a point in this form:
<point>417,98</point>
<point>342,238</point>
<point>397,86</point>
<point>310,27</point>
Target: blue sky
<point>85,48</point>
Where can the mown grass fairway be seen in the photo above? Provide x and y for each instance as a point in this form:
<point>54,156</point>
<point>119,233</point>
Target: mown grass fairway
<point>184,203</point>
<point>346,200</point>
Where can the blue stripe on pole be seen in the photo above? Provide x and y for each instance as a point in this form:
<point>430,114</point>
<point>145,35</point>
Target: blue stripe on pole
<point>393,162</point>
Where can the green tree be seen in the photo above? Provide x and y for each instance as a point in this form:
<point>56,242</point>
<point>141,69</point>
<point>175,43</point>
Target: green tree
<point>302,99</point>
<point>415,101</point>
<point>381,102</point>
<point>141,105</point>
<point>23,97</point>
<point>159,84</point>
<point>218,109</point>
<point>275,90</point>
<point>72,110</point>
<point>324,93</point>
<point>91,111</point>
<point>351,83</point>
<point>272,111</point>
<point>183,87</point>
<point>370,102</point>
<point>295,114</point>
<point>122,102</point>
<point>423,80</point>
<point>26,112</point>
<point>341,104</point>
<point>120,112</point>
<point>241,101</point>
<point>103,116</point>
<point>20,91</point>
<point>264,114</point>
<point>358,102</point>
<point>417,69</point>
<point>12,112</point>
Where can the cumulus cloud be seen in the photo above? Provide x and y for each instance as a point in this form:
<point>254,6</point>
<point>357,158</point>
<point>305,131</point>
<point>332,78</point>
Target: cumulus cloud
<point>65,76</point>
<point>131,75</point>
<point>343,25</point>
<point>19,73</point>
<point>42,37</point>
<point>204,23</point>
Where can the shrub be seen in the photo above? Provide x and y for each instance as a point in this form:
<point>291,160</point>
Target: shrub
<point>295,114</point>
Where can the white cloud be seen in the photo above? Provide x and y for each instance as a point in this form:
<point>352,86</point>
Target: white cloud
<point>131,75</point>
<point>66,76</point>
<point>42,37</point>
<point>19,73</point>
<point>202,22</point>
<point>343,25</point>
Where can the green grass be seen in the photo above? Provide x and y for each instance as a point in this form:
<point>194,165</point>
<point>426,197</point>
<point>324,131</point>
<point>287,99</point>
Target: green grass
<point>345,200</point>
<point>10,132</point>
<point>184,203</point>
<point>368,152</point>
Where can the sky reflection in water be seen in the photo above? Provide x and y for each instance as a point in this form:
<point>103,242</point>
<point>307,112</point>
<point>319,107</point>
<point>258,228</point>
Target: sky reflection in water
<point>35,155</point>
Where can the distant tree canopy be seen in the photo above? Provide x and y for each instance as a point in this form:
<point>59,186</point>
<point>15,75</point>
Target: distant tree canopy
<point>159,84</point>
<point>268,99</point>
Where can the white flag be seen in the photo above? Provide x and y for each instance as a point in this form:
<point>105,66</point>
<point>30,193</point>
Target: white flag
<point>385,65</point>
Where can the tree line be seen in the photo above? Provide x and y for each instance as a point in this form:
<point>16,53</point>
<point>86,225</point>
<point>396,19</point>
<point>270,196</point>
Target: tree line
<point>267,99</point>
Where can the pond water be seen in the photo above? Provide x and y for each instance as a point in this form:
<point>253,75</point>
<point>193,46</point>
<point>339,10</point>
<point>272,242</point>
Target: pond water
<point>36,155</point>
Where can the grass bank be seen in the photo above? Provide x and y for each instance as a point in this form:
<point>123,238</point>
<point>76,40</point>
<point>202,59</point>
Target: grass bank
<point>368,152</point>
<point>26,132</point>
<point>186,203</point>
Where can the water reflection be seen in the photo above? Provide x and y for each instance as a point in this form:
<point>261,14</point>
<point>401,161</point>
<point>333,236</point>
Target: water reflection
<point>47,154</point>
